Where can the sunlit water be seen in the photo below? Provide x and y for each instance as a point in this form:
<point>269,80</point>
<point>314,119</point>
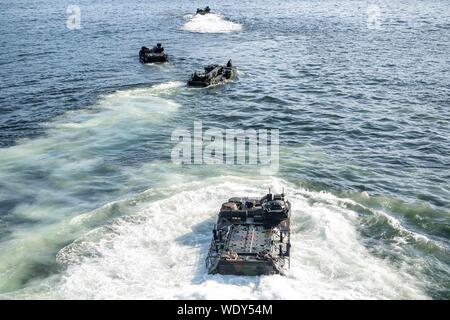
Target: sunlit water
<point>91,205</point>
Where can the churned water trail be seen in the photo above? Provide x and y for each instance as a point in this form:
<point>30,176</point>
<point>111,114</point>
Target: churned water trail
<point>73,168</point>
<point>138,256</point>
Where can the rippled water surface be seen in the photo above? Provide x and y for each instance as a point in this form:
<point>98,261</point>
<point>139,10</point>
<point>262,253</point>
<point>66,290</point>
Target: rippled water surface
<point>92,207</point>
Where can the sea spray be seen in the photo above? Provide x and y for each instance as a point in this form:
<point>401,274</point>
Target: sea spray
<point>210,23</point>
<point>159,253</point>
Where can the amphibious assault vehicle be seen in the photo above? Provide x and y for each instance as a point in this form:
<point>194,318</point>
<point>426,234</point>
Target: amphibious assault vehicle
<point>203,11</point>
<point>214,74</point>
<point>251,237</point>
<point>156,54</point>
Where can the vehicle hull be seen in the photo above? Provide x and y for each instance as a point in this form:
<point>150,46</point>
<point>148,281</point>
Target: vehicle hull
<point>246,268</point>
<point>153,58</point>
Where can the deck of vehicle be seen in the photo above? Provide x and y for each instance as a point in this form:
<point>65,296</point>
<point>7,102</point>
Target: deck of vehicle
<point>213,74</point>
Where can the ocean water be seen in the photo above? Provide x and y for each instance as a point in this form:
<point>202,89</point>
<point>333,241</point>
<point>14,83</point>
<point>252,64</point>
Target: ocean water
<point>91,205</point>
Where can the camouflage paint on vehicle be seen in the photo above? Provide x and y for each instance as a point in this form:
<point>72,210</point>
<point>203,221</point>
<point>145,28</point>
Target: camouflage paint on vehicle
<point>251,237</point>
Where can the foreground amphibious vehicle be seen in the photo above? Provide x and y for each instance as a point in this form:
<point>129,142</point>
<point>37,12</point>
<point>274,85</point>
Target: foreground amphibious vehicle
<point>251,237</point>
<point>156,54</point>
<point>214,74</point>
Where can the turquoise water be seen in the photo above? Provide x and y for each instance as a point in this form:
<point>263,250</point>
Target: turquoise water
<point>91,205</point>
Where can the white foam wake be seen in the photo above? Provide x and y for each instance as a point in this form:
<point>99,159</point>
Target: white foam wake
<point>167,86</point>
<point>71,158</point>
<point>210,23</point>
<point>159,252</point>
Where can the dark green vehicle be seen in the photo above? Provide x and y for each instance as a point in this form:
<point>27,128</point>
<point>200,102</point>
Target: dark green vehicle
<point>214,74</point>
<point>251,237</point>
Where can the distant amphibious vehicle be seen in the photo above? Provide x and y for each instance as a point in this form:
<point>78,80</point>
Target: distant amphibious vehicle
<point>251,237</point>
<point>156,54</point>
<point>203,11</point>
<point>213,74</point>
